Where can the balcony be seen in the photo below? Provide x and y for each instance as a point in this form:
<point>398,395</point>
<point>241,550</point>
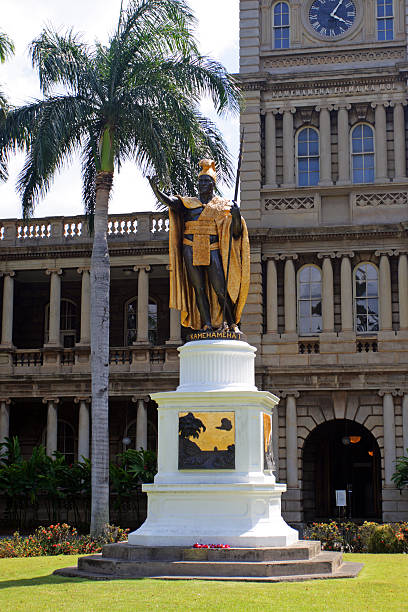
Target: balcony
<point>60,231</point>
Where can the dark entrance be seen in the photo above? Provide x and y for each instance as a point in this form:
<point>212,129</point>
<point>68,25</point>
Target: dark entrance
<point>341,455</point>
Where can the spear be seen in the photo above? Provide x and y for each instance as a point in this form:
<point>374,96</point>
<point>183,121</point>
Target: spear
<point>230,237</point>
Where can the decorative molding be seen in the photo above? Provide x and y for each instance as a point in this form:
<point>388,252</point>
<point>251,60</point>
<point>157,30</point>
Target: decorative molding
<point>301,203</point>
<point>334,58</point>
<point>396,198</point>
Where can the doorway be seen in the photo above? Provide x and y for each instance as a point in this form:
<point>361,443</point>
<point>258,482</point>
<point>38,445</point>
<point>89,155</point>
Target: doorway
<point>341,455</point>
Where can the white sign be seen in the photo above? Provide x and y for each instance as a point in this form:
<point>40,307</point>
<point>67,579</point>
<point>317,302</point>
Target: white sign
<point>341,499</point>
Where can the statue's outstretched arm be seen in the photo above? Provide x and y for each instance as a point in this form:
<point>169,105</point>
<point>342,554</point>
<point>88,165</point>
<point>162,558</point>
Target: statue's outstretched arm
<point>168,200</point>
<point>236,221</point>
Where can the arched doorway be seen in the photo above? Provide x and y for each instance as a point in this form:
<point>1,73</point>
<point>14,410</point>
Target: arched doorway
<point>341,455</point>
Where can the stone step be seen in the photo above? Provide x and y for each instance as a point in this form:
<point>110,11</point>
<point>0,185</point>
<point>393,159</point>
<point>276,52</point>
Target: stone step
<point>302,550</point>
<point>325,563</point>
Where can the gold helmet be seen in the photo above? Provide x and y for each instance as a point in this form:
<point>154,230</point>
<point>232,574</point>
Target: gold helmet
<point>208,167</point>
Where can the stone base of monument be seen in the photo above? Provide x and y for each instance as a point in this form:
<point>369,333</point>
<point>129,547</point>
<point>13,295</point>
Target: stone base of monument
<point>300,561</point>
<point>215,483</point>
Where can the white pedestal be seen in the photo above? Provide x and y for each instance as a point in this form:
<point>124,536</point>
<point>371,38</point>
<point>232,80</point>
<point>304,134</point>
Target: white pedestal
<point>240,506</point>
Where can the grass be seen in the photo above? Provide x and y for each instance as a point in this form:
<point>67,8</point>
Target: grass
<point>28,584</point>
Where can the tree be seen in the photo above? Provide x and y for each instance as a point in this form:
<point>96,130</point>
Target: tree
<point>6,50</point>
<point>135,98</point>
<point>400,477</point>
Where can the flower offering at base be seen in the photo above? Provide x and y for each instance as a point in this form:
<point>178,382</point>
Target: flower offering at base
<point>196,545</point>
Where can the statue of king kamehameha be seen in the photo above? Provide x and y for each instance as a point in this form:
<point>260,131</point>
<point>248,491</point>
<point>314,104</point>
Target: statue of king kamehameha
<point>206,234</point>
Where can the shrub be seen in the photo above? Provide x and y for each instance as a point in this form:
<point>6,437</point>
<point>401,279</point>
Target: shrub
<point>368,537</point>
<point>59,539</point>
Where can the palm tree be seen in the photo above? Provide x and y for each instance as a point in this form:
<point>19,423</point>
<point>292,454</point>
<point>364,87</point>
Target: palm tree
<point>6,50</point>
<point>136,98</point>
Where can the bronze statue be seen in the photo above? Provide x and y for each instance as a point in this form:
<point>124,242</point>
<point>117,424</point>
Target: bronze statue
<point>199,246</point>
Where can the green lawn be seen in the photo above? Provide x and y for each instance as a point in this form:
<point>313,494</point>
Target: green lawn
<point>28,584</point>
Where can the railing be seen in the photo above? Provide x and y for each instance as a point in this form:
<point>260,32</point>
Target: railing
<point>28,358</point>
<point>309,348</point>
<point>367,345</point>
<point>120,355</point>
<point>74,230</point>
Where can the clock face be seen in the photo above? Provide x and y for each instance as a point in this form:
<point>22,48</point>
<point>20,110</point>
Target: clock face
<point>332,18</point>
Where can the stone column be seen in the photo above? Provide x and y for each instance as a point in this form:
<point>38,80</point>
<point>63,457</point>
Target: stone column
<point>143,304</point>
<point>141,425</point>
<point>405,422</point>
<point>291,440</point>
<point>381,169</point>
<point>325,146</point>
<point>290,297</point>
<point>175,327</point>
<point>85,306</point>
<point>385,294</point>
<point>344,145</point>
<point>327,295</point>
<point>403,290</point>
<point>8,310</point>
<point>4,419</point>
<point>52,425</point>
<point>389,436</point>
<point>275,440</point>
<point>271,297</point>
<point>270,148</point>
<point>399,143</point>
<point>83,427</point>
<point>288,148</point>
<point>55,308</point>
<point>346,295</point>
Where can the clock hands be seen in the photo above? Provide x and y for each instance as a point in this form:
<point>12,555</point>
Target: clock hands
<point>333,13</point>
<point>338,18</point>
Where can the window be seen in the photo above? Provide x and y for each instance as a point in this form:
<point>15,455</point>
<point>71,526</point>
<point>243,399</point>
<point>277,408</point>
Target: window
<point>308,157</point>
<point>281,30</point>
<point>362,154</point>
<point>385,20</point>
<point>66,441</point>
<point>131,322</point>
<point>68,323</point>
<point>366,298</point>
<point>309,300</point>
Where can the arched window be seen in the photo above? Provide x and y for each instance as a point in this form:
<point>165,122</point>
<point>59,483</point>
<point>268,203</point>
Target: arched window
<point>68,323</point>
<point>130,434</point>
<point>308,157</point>
<point>366,298</point>
<point>385,20</point>
<point>309,300</point>
<point>131,321</point>
<point>281,26</point>
<point>362,153</point>
<point>66,441</point>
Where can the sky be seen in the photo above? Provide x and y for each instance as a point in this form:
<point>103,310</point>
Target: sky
<point>23,20</point>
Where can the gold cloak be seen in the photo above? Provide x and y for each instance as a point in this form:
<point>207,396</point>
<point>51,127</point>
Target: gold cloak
<point>182,295</point>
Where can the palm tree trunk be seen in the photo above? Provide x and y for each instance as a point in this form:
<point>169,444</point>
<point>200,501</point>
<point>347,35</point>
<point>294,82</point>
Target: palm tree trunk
<point>100,281</point>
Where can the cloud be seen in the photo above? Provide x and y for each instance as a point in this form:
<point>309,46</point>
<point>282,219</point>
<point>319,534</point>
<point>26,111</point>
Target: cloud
<point>22,20</point>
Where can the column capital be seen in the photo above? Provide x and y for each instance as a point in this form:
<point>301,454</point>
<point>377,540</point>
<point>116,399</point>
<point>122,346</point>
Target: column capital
<point>47,399</point>
<point>50,271</point>
<point>342,106</point>
<point>289,393</point>
<point>286,256</point>
<point>386,252</point>
<point>323,107</point>
<point>330,255</point>
<point>5,400</point>
<point>341,254</point>
<point>82,398</point>
<point>287,109</point>
<point>10,273</point>
<point>398,252</point>
<point>144,267</point>
<point>83,269</point>
<point>136,398</point>
<point>379,103</point>
<point>383,392</point>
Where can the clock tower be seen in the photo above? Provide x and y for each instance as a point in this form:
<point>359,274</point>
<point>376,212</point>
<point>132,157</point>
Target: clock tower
<point>325,195</point>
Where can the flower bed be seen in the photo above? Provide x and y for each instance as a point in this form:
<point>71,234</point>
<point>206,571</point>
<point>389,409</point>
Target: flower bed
<point>368,537</point>
<point>59,539</point>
